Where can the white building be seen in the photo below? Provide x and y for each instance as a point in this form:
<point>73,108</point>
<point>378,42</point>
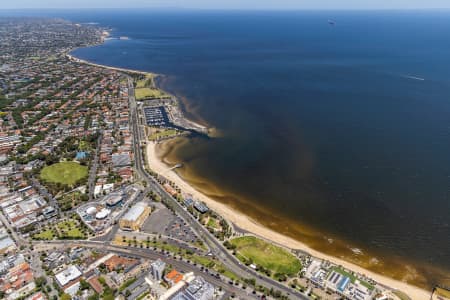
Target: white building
<point>158,269</point>
<point>70,274</point>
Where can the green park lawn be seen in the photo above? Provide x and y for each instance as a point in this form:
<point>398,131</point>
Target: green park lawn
<point>84,146</point>
<point>69,229</point>
<point>144,93</point>
<point>212,223</point>
<point>46,235</point>
<point>146,82</point>
<point>68,201</point>
<point>162,134</point>
<point>64,172</point>
<point>266,255</point>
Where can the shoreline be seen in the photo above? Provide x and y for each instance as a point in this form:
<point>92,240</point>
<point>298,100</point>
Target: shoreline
<point>83,61</point>
<point>187,123</point>
<point>243,221</point>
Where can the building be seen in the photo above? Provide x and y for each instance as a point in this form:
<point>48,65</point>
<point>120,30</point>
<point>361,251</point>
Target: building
<point>102,214</point>
<point>121,160</point>
<point>113,199</point>
<point>199,289</point>
<point>158,269</point>
<point>115,263</point>
<point>136,289</point>
<point>7,245</point>
<point>173,277</point>
<point>49,212</point>
<point>95,284</point>
<point>188,202</point>
<point>135,217</point>
<point>81,155</point>
<point>200,207</point>
<point>37,296</point>
<point>69,275</point>
<point>174,292</point>
<point>173,192</point>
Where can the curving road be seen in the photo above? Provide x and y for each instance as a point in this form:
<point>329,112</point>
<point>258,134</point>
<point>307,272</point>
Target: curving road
<point>215,246</point>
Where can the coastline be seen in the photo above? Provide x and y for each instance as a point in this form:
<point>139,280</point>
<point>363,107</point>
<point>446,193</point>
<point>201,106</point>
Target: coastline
<point>243,221</point>
<point>82,61</point>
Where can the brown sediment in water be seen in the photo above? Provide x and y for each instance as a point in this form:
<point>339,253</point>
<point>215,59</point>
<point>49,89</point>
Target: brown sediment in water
<point>398,268</point>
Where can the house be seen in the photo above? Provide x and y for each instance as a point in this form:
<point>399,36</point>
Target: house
<point>173,277</point>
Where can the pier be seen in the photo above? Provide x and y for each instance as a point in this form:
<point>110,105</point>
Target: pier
<point>179,165</point>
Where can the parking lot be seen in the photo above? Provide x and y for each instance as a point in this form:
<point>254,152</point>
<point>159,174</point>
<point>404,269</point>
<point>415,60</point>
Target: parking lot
<point>177,229</point>
<point>158,221</point>
<point>163,221</point>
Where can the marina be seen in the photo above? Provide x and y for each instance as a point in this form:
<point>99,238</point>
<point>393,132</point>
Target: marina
<point>156,116</point>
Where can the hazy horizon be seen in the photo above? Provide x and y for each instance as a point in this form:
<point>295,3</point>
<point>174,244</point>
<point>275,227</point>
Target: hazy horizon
<point>231,4</point>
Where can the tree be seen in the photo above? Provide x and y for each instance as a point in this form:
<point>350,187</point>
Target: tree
<point>94,297</point>
<point>83,284</point>
<point>65,296</point>
<point>40,281</point>
<point>108,294</point>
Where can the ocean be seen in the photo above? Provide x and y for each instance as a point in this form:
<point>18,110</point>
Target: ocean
<point>335,134</point>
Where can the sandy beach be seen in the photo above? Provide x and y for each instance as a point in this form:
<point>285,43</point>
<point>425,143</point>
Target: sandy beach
<point>250,225</point>
<point>82,61</point>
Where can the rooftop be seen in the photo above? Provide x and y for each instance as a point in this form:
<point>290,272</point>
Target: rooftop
<point>174,276</point>
<point>135,211</point>
<point>158,263</point>
<point>69,274</point>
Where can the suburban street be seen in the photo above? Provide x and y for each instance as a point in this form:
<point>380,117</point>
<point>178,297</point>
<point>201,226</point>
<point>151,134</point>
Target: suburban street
<point>93,169</point>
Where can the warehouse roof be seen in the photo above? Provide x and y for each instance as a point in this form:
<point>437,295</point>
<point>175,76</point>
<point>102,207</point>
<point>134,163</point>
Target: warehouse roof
<point>135,211</point>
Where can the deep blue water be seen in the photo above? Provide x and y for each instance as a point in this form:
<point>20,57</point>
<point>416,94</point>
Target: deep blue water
<point>343,128</point>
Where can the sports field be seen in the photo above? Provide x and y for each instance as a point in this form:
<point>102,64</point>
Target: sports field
<point>64,172</point>
<point>149,93</point>
<point>267,255</point>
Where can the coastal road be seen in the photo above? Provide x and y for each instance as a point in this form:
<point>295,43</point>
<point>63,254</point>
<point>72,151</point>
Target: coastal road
<point>230,261</point>
<point>151,255</point>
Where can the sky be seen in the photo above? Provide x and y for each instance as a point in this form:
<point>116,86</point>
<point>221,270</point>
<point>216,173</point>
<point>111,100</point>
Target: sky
<point>228,4</point>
